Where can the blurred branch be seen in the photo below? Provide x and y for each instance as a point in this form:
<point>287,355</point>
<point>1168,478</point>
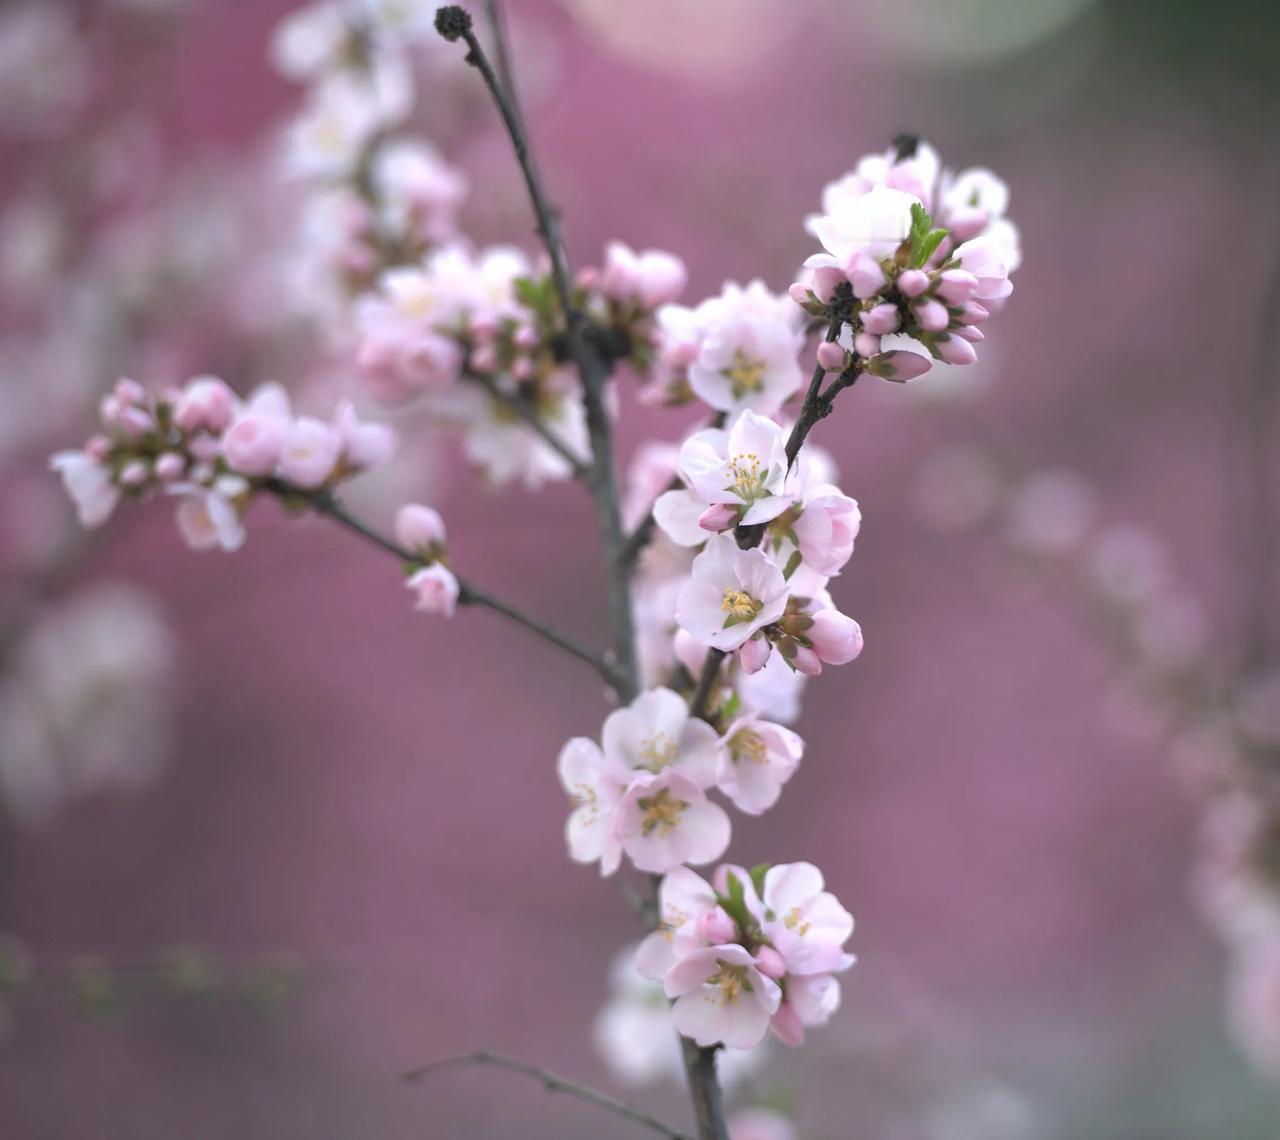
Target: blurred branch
<point>454,23</point>
<point>523,410</point>
<point>1256,516</point>
<point>552,1083</point>
<point>324,502</point>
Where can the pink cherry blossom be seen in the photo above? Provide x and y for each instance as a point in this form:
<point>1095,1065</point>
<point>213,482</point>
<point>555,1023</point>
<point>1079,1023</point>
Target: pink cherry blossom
<point>594,794</point>
<point>757,759</point>
<point>655,733</point>
<point>207,518</point>
<point>436,588</point>
<point>310,452</point>
<point>89,484</point>
<point>744,468</point>
<point>666,819</point>
<point>721,997</point>
<point>827,528</point>
<point>731,594</point>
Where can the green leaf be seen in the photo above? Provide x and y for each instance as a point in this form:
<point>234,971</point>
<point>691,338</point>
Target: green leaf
<point>924,238</point>
<point>729,709</point>
<point>758,873</point>
<point>734,903</point>
<point>793,564</point>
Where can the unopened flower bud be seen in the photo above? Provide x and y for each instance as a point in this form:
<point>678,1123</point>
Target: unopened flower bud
<point>717,927</point>
<point>770,963</point>
<point>831,356</point>
<point>913,282</point>
<point>899,365</point>
<point>717,517</point>
<point>754,653</point>
<point>866,344</point>
<point>836,638</point>
<point>932,315</point>
<point>954,350</point>
<point>134,473</point>
<point>170,467</point>
<point>955,286</point>
<point>419,528</point>
<point>881,320</point>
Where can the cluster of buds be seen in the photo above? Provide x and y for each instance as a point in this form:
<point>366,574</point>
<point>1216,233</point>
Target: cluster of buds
<point>481,335</point>
<point>215,452</point>
<point>915,260</point>
<point>756,951</point>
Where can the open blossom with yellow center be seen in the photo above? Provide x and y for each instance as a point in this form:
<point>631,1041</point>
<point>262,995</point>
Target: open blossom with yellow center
<point>738,605</point>
<point>655,734</point>
<point>745,374</point>
<point>665,820</point>
<point>761,756</point>
<point>659,750</point>
<point>661,812</point>
<point>721,996</point>
<point>731,594</point>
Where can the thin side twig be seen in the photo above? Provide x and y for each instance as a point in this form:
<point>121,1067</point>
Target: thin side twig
<point>324,502</point>
<point>552,1082</point>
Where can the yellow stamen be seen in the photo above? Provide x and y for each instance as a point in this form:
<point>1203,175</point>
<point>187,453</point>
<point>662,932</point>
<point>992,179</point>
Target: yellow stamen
<point>744,374</point>
<point>661,813</point>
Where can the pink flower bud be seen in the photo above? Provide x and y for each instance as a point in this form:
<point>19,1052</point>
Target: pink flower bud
<point>661,279</point>
<point>717,927</point>
<point>206,402</point>
<point>971,333</point>
<point>483,327</point>
<point>134,473</point>
<point>899,365</point>
<point>956,351</point>
<point>130,391</point>
<point>881,320</point>
<point>799,292</point>
<point>484,359</point>
<point>418,527</point>
<point>913,282</point>
<point>831,356</point>
<point>689,651</point>
<point>956,286</point>
<point>866,344</point>
<point>974,314</point>
<point>770,963</point>
<point>806,661</point>
<point>98,447</point>
<point>253,444</point>
<point>825,280</point>
<point>717,517</point>
<point>836,638</point>
<point>522,368</point>
<point>436,588</point>
<point>526,337</point>
<point>865,275</point>
<point>932,315</point>
<point>754,653</point>
<point>170,467</point>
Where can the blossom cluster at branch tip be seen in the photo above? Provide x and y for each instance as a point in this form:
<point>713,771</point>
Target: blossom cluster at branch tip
<point>750,952</point>
<point>214,453</point>
<point>915,259</point>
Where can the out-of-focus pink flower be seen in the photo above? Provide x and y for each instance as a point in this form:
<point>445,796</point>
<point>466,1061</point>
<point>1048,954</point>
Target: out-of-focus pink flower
<point>436,588</point>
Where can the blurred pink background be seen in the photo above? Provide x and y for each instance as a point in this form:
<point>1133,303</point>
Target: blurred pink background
<point>372,792</point>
